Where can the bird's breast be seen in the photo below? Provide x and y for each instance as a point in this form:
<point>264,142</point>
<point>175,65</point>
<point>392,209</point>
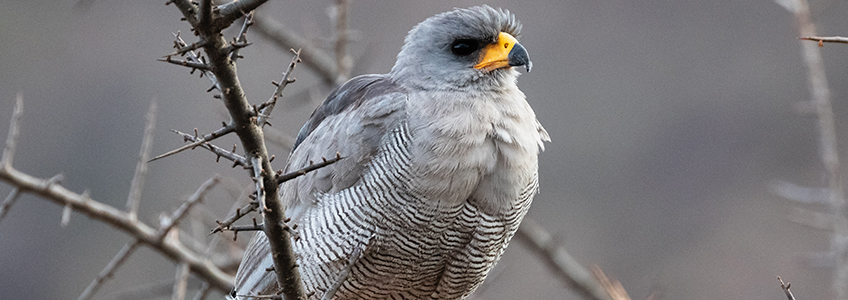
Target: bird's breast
<point>481,148</point>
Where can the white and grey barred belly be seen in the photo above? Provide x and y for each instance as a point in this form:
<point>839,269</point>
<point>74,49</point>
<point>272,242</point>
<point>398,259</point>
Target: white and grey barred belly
<point>410,249</point>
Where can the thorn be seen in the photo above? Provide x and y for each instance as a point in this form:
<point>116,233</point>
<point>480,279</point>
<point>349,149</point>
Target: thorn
<point>275,83</point>
<point>272,158</point>
<point>217,96</point>
<point>270,269</point>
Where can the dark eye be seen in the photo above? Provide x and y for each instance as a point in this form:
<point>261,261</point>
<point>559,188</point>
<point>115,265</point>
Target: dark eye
<point>464,47</point>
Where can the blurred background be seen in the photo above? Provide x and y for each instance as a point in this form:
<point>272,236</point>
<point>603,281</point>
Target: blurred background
<point>669,121</point>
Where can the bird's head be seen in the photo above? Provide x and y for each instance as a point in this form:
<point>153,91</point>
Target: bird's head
<point>454,50</point>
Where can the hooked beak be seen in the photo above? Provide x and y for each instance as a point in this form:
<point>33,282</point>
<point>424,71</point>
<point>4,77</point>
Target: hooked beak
<point>504,53</point>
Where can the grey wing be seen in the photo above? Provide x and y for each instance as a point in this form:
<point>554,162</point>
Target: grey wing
<point>353,121</point>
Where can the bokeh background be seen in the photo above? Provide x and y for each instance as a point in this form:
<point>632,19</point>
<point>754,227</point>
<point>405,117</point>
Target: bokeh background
<point>669,120</point>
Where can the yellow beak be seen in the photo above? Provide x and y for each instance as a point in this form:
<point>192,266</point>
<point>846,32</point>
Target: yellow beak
<point>504,53</point>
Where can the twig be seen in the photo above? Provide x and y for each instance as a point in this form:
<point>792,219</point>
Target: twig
<point>265,113</point>
<point>10,200</point>
<point>140,174</point>
<point>181,212</point>
<point>188,50</point>
<point>228,128</point>
<point>251,207</point>
<point>559,261</point>
<point>826,39</point>
<point>12,138</point>
<point>315,59</point>
<point>180,282</point>
<point>785,287</point>
<point>820,98</point>
<point>242,35</point>
<point>109,270</point>
<point>341,38</point>
<point>237,160</point>
<point>186,63</point>
<point>292,175</point>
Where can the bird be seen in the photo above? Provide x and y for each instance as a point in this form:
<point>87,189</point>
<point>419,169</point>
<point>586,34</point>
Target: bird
<point>440,166</point>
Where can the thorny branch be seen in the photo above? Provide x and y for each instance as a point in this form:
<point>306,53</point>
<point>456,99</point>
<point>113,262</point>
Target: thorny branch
<point>51,190</point>
<point>228,128</point>
<point>237,160</point>
<point>826,39</point>
<point>208,25</point>
<point>828,145</point>
<point>785,287</point>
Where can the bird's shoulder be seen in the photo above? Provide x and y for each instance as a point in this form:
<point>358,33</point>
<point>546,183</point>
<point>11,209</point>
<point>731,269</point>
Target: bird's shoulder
<point>353,122</point>
<point>379,90</point>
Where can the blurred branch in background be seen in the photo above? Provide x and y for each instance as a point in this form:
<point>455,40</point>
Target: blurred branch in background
<point>821,105</point>
<point>161,240</point>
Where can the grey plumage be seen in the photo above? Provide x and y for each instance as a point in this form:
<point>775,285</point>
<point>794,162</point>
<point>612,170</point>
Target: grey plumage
<point>440,168</point>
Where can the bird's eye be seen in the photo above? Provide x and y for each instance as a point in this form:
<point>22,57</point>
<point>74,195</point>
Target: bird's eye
<point>464,47</point>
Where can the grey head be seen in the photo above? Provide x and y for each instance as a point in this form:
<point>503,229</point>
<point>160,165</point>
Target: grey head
<point>473,48</point>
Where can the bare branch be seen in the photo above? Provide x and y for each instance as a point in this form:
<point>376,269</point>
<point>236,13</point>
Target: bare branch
<point>230,12</point>
<point>340,38</point>
<point>292,175</point>
<point>204,15</point>
<point>251,207</point>
<point>186,63</point>
<point>14,130</point>
<point>800,194</point>
<point>206,138</point>
<point>242,35</point>
<point>10,200</point>
<point>278,92</point>
<point>181,212</point>
<point>180,282</point>
<point>820,98</point>
<point>188,9</point>
<point>826,39</point>
<point>785,287</point>
<point>559,261</point>
<point>183,48</point>
<point>250,133</point>
<point>316,59</point>
<point>169,248</point>
<point>140,175</point>
<point>237,160</point>
<point>109,270</point>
